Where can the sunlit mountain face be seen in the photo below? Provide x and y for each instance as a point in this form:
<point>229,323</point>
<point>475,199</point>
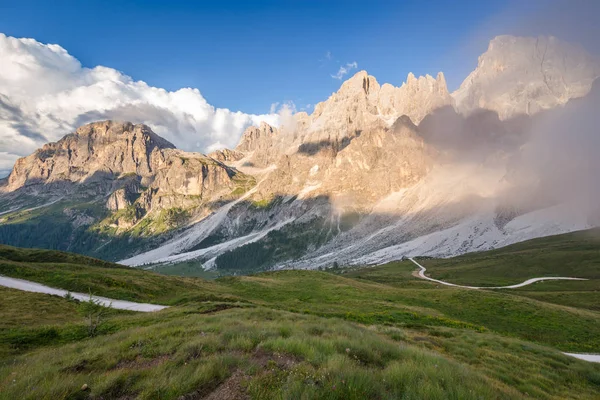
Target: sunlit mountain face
<point>374,173</point>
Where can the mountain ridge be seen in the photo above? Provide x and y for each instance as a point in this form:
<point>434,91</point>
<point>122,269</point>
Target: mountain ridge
<point>374,167</point>
<point>556,71</point>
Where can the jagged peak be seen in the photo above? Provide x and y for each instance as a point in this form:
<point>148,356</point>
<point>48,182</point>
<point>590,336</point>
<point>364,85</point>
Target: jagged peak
<point>411,78</point>
<point>110,128</point>
<point>262,128</point>
<point>100,126</point>
<point>502,40</point>
<point>256,136</point>
<point>265,126</point>
<point>226,155</point>
<point>427,81</point>
<point>514,47</point>
<point>361,81</point>
<point>509,40</point>
<point>441,79</point>
<point>99,151</point>
<point>555,70</point>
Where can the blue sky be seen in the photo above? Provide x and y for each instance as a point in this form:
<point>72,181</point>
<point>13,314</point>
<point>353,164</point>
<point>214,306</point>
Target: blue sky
<point>246,55</point>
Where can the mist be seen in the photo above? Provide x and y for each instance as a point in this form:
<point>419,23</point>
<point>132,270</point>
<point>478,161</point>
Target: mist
<point>562,154</point>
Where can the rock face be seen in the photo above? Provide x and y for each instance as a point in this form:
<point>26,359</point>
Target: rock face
<point>353,172</point>
<point>362,103</point>
<point>355,147</point>
<point>102,149</point>
<point>260,142</point>
<point>226,155</point>
<point>524,75</point>
<point>416,98</point>
<point>187,179</point>
<point>122,198</point>
<point>257,138</point>
<point>127,163</point>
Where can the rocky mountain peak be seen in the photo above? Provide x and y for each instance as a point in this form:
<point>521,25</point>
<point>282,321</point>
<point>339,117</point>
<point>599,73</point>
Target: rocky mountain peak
<point>257,138</point>
<point>441,80</point>
<point>427,84</point>
<point>226,155</point>
<point>361,83</point>
<point>104,132</point>
<point>131,169</point>
<point>95,152</point>
<point>416,98</point>
<point>361,103</point>
<point>523,75</point>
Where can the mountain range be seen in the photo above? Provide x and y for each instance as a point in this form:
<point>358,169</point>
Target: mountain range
<point>375,173</point>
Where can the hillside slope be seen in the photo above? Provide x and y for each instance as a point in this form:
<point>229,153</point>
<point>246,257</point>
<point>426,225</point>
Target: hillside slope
<point>361,333</point>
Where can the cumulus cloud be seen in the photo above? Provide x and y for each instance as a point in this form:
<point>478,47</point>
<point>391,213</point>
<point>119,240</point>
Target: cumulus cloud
<point>344,70</point>
<point>46,93</point>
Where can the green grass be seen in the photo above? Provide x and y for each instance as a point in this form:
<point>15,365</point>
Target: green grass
<point>33,309</point>
<point>52,227</point>
<point>16,254</point>
<point>397,273</point>
<point>418,303</point>
<point>357,333</point>
<point>82,274</point>
<point>276,354</point>
<point>573,255</point>
<point>325,294</point>
<point>31,320</point>
<point>243,183</point>
<point>188,268</point>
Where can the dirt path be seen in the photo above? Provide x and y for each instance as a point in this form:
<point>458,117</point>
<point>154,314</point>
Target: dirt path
<point>421,274</point>
<point>595,358</point>
<point>29,286</point>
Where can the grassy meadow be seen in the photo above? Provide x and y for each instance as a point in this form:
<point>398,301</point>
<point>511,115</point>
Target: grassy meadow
<point>353,333</point>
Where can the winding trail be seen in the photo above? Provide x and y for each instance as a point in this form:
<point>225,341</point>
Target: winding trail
<point>35,287</point>
<point>595,358</point>
<point>422,275</point>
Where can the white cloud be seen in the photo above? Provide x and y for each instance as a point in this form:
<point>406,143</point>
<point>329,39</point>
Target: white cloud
<point>345,69</point>
<point>45,93</point>
<point>273,108</point>
<point>285,115</point>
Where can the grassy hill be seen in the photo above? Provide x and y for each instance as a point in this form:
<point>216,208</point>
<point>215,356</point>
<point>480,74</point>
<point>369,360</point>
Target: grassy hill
<point>574,254</point>
<point>358,333</point>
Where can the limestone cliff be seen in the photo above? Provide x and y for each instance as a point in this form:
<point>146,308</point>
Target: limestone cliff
<point>129,165</point>
<point>356,147</point>
<point>100,150</point>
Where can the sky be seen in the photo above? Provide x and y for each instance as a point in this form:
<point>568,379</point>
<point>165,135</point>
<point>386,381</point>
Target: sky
<point>241,60</point>
<point>247,55</point>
